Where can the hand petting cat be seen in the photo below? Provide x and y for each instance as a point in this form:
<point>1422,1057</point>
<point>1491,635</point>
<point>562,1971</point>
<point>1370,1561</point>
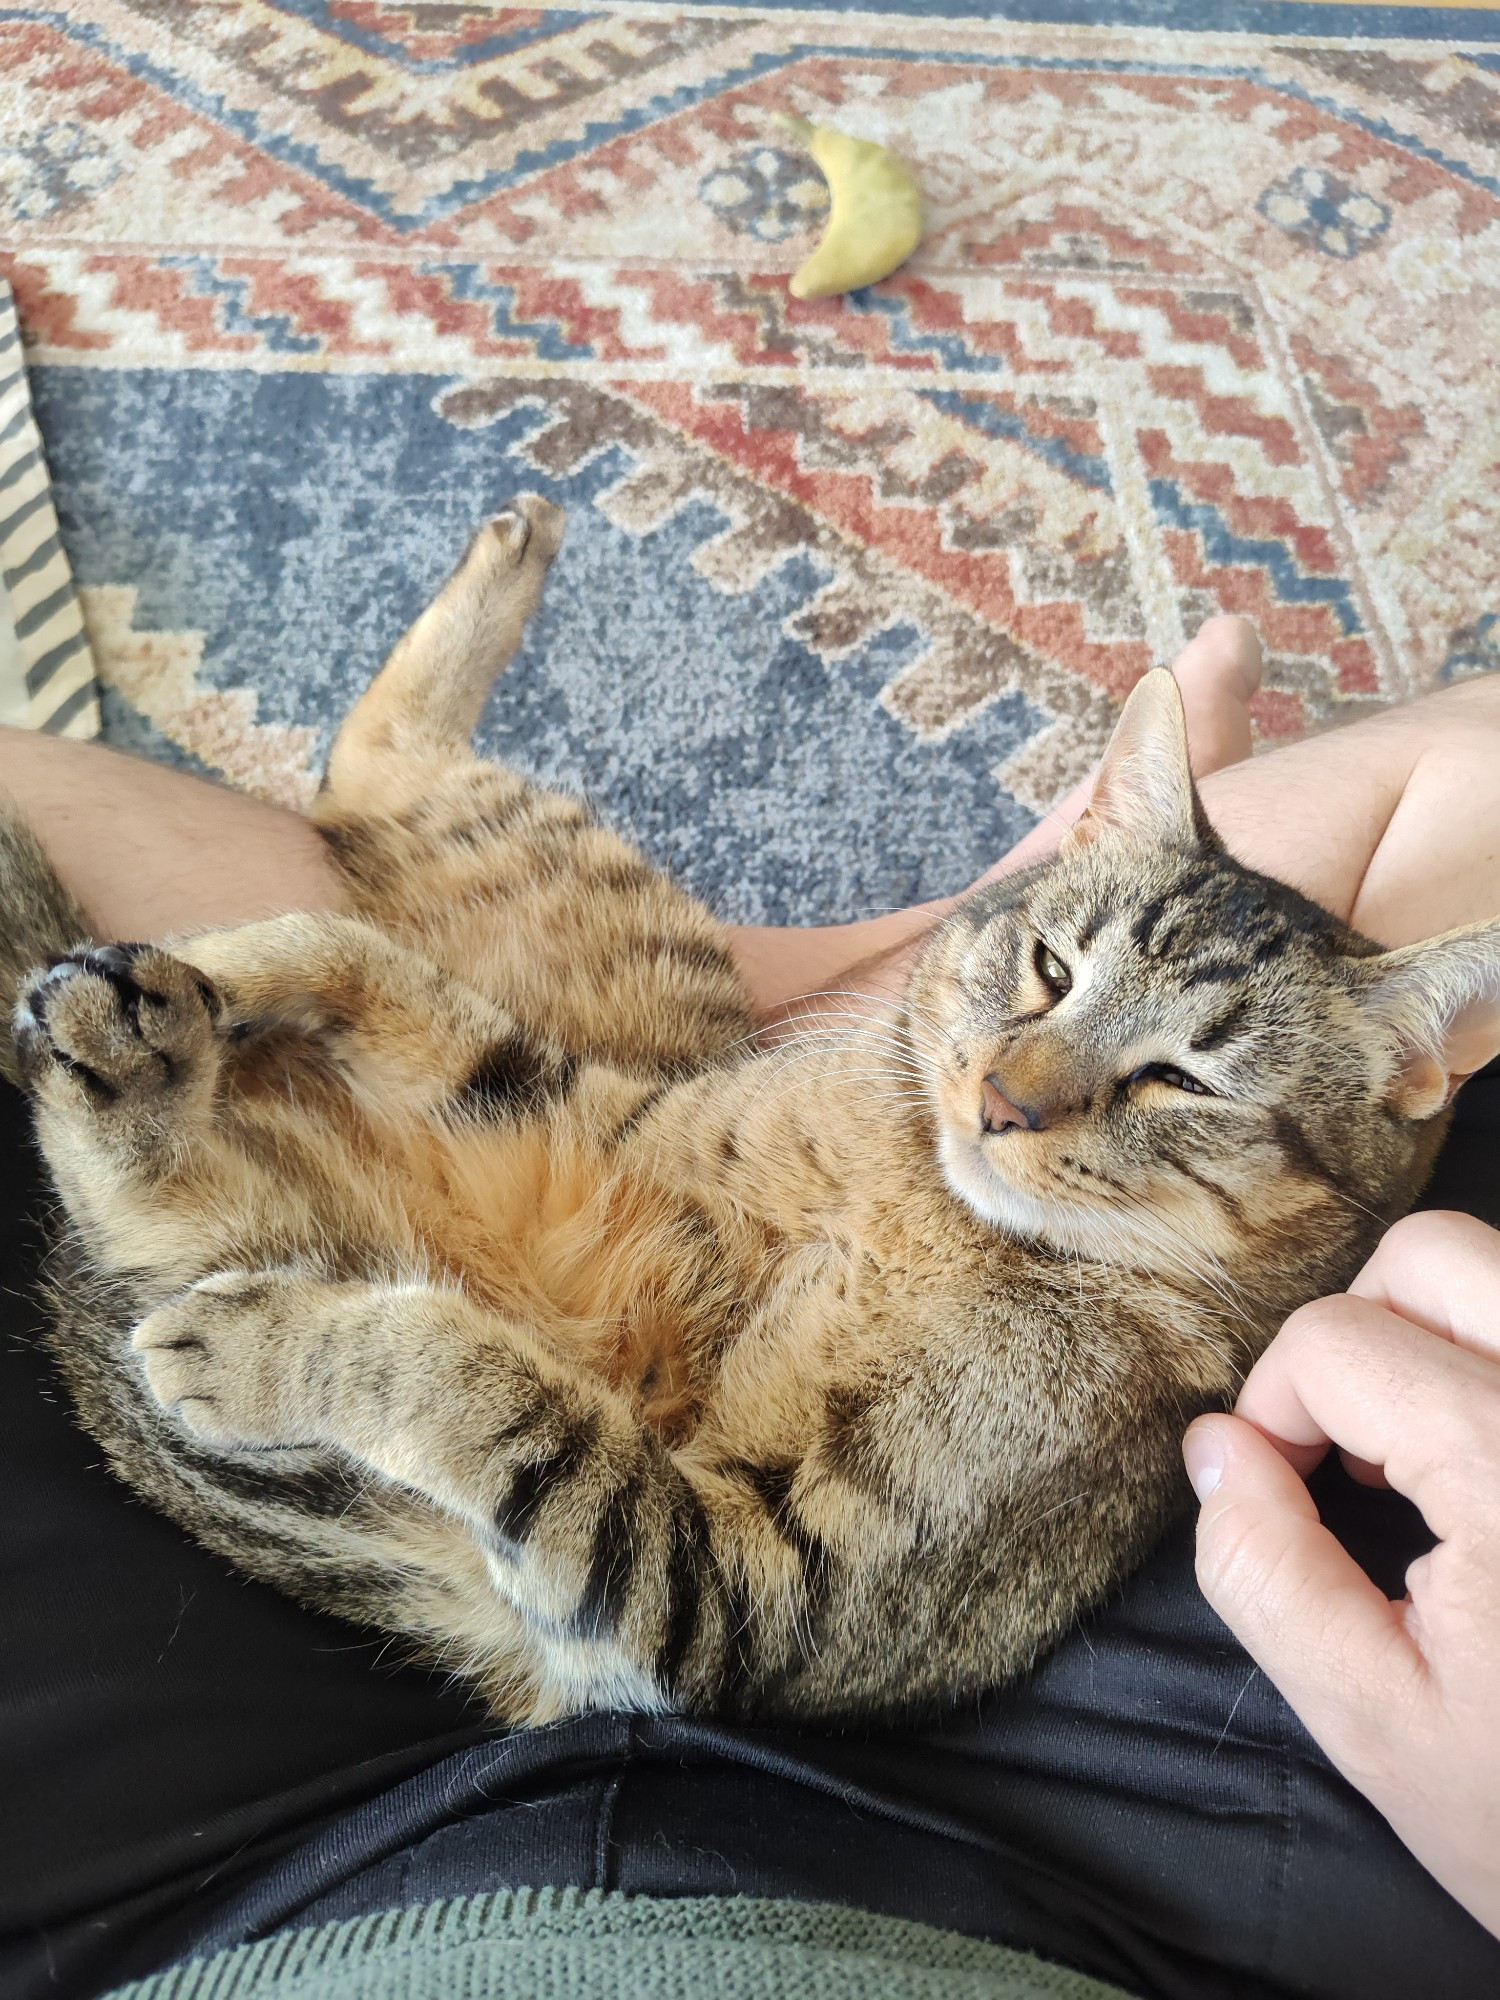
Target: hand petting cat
<point>1402,1374</point>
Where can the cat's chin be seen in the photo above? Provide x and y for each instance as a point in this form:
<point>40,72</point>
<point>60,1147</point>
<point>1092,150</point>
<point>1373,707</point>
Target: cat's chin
<point>971,1177</point>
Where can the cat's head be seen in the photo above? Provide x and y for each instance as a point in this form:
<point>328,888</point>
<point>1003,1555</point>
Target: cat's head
<point>1148,1054</point>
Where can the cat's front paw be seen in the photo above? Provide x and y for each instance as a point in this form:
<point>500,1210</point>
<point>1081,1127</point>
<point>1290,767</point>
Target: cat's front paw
<point>121,1031</point>
<point>229,1360</point>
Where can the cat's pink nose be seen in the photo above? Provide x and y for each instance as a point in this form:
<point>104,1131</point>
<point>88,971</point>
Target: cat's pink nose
<point>997,1112</point>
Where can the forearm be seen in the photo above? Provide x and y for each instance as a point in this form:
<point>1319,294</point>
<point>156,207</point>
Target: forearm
<point>1394,823</point>
<point>149,851</point>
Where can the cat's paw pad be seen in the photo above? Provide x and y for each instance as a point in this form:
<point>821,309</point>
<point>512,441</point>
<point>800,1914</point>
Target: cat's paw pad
<point>223,1359</point>
<point>117,1025</point>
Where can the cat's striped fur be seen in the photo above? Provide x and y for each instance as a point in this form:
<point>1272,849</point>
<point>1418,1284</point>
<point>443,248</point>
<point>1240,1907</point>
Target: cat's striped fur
<point>491,1285</point>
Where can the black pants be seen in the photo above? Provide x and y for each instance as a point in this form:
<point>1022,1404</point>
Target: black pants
<point>186,1760</point>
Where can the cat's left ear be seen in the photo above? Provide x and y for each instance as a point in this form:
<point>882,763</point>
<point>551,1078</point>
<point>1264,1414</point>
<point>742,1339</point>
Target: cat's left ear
<point>1144,785</point>
<point>1438,1006</point>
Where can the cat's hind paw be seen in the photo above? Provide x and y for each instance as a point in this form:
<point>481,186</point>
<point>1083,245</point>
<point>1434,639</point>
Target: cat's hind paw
<point>530,529</point>
<point>226,1360</point>
<point>507,559</point>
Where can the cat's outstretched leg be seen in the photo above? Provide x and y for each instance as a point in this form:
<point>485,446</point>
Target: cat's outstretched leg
<point>427,698</point>
<point>515,889</point>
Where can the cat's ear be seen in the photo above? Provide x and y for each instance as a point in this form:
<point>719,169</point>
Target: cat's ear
<point>1438,1007</point>
<point>1144,785</point>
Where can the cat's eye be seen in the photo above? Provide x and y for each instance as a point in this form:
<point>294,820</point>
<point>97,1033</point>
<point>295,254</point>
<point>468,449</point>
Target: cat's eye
<point>1050,969</point>
<point>1174,1078</point>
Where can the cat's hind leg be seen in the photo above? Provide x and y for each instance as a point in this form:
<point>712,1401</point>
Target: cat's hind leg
<point>641,1586</point>
<point>426,700</point>
<point>513,888</point>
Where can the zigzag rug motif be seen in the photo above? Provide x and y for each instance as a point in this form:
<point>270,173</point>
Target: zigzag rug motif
<point>1204,319</point>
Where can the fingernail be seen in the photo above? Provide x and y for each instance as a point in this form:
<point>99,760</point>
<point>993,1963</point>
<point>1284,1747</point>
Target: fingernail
<point>1204,1459</point>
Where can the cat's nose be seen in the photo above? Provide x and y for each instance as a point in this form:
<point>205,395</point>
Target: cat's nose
<point>998,1113</point>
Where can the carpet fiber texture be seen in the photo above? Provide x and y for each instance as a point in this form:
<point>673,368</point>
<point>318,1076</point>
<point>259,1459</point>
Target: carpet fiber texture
<point>1207,316</point>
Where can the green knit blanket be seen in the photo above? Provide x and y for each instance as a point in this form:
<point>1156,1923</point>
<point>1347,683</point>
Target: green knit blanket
<point>587,1944</point>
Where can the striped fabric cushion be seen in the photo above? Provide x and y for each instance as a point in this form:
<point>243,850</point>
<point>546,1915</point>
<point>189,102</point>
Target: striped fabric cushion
<point>46,668</point>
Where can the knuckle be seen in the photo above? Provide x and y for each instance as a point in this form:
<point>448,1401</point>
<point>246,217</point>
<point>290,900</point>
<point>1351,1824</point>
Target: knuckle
<point>1454,1452</point>
<point>1320,1321</point>
<point>1469,1444</point>
<point>1433,1232</point>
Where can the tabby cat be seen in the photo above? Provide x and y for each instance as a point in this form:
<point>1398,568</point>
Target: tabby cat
<point>461,1263</point>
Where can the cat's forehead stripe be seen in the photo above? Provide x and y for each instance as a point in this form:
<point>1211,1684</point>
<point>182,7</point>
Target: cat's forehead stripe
<point>1218,971</point>
<point>1218,1032</point>
<point>1094,922</point>
<point>1179,899</point>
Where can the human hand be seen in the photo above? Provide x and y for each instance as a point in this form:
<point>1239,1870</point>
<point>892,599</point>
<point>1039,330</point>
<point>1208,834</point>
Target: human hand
<point>1402,1373</point>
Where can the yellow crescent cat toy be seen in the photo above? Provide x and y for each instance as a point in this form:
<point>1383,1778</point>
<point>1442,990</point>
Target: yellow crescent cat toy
<point>876,219</point>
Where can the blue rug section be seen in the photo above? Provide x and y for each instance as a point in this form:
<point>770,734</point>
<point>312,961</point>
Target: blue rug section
<point>1233,17</point>
<point>1290,584</point>
<point>1251,17</point>
<point>301,521</point>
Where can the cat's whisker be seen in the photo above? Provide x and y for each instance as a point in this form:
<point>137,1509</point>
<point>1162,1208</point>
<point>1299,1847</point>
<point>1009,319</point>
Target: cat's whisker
<point>1145,1227</point>
<point>1360,1207</point>
<point>1198,1263</point>
<point>867,1005</point>
<point>895,1049</point>
<point>830,1051</point>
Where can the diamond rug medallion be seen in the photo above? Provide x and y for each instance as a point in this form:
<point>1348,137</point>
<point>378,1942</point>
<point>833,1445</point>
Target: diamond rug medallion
<point>1206,318</point>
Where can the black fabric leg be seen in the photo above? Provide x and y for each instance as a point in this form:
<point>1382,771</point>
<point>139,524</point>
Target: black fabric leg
<point>187,1760</point>
<point>165,1726</point>
<point>1145,1807</point>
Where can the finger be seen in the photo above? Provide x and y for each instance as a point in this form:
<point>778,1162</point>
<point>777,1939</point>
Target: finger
<point>1442,1271</point>
<point>1226,648</point>
<point>1362,1472</point>
<point>1304,1610</point>
<point>1346,1371</point>
<point>1217,672</point>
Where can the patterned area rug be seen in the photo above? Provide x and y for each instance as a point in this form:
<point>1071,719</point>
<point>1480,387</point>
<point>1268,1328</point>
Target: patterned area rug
<point>1206,317</point>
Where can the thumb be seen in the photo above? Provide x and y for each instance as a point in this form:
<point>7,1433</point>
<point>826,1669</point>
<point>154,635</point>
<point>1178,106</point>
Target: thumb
<point>1337,1648</point>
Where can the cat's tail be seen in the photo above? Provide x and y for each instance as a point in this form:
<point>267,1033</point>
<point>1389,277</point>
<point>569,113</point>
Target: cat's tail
<point>38,919</point>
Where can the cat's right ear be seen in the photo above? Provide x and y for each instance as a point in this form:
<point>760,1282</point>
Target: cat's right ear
<point>1437,1005</point>
<point>1144,785</point>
